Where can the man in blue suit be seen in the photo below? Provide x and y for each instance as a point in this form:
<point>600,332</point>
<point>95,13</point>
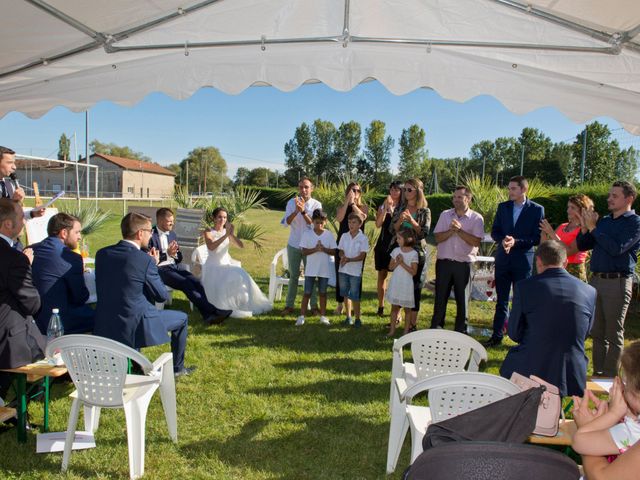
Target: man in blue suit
<point>128,285</point>
<point>58,274</point>
<point>516,229</point>
<point>163,239</point>
<point>551,317</point>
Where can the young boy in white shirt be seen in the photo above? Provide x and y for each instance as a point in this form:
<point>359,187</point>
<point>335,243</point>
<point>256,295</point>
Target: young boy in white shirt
<point>317,245</point>
<point>353,248</point>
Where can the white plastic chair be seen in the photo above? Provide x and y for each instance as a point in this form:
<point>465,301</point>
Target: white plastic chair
<point>449,395</point>
<point>277,281</point>
<point>434,352</point>
<point>98,368</point>
<point>198,257</point>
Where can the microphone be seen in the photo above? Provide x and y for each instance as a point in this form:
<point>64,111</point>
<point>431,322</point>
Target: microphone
<point>14,180</point>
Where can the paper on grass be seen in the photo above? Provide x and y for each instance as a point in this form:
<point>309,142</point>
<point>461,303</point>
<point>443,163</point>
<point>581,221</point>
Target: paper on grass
<point>54,441</point>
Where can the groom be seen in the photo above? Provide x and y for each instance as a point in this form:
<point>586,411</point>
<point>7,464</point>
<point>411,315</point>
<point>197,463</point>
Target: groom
<point>163,239</point>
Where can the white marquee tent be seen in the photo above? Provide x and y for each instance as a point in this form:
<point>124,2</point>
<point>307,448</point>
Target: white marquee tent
<point>581,56</point>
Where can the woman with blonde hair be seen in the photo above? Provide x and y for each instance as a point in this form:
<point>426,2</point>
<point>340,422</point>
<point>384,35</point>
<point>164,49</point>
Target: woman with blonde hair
<point>567,233</point>
<point>352,204</point>
<point>413,213</point>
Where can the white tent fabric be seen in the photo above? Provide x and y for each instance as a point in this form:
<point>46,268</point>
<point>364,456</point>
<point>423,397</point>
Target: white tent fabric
<point>581,56</point>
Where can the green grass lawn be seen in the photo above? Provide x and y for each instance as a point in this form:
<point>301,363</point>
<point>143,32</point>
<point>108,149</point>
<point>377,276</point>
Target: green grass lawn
<point>268,401</point>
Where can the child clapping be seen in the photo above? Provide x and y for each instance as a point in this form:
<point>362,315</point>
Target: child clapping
<point>615,428</point>
<point>318,245</point>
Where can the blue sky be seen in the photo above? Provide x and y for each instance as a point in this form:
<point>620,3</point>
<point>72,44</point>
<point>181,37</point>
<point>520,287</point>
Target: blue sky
<point>251,129</point>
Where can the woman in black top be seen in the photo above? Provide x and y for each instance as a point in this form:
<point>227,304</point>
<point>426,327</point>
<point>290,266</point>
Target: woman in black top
<point>413,213</point>
<point>381,250</point>
<point>352,204</point>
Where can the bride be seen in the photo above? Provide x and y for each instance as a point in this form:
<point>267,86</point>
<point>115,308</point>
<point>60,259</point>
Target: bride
<point>226,284</point>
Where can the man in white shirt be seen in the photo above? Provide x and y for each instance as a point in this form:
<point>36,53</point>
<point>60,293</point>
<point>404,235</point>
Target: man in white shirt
<point>298,217</point>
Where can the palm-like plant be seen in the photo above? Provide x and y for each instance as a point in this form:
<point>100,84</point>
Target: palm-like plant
<point>90,216</point>
<point>182,198</point>
<point>236,204</point>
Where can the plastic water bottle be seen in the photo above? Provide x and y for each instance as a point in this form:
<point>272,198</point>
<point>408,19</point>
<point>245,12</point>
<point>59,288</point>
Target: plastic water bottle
<point>55,328</point>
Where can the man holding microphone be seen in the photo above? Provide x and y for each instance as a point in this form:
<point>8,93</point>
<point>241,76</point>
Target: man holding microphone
<point>11,189</point>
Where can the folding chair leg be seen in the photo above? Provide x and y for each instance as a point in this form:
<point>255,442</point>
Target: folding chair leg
<point>168,397</point>
<point>91,418</point>
<point>71,433</point>
<point>135,412</point>
<point>397,433</point>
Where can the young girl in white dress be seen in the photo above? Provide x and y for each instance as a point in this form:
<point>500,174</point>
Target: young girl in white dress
<point>226,284</point>
<point>404,264</point>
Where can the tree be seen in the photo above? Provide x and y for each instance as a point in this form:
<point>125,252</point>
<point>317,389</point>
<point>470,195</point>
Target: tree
<point>537,147</point>
<point>555,168</point>
<point>601,155</point>
<point>412,152</point>
<point>64,146</point>
<point>299,155</point>
<point>375,162</point>
<point>347,147</point>
<point>481,154</point>
<point>242,175</point>
<point>260,177</point>
<point>627,165</point>
<point>323,134</point>
<point>117,151</point>
<point>207,170</point>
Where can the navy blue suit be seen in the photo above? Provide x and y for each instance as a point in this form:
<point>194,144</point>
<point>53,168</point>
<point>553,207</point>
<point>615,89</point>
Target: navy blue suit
<point>183,280</point>
<point>58,276</point>
<point>551,317</point>
<point>517,264</point>
<point>128,285</point>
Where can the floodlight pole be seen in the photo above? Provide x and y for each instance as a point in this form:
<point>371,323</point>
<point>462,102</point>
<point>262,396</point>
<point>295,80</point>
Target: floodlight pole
<point>86,147</point>
<point>584,155</point>
<point>521,161</point>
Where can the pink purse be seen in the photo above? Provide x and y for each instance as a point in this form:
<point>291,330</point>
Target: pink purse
<point>550,407</point>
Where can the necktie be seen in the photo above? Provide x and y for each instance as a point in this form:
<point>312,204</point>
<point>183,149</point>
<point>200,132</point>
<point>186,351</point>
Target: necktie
<point>5,194</point>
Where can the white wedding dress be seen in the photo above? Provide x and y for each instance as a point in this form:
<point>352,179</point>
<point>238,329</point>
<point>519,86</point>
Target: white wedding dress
<point>228,286</point>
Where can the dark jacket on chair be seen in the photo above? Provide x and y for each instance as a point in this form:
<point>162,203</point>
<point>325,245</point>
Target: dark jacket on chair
<point>20,341</point>
<point>58,274</point>
<point>551,316</point>
<point>128,285</point>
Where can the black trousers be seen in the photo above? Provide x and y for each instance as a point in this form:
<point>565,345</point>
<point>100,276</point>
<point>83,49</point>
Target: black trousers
<point>186,282</point>
<point>450,273</point>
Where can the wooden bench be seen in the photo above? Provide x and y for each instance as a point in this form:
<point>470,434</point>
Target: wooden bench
<point>7,413</point>
<point>32,373</point>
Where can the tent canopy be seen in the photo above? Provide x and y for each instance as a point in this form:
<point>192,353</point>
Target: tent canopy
<point>580,56</point>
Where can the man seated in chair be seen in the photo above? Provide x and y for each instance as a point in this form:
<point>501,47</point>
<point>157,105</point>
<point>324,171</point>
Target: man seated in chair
<point>163,239</point>
<point>58,274</point>
<point>128,285</point>
<point>20,341</point>
<point>550,319</point>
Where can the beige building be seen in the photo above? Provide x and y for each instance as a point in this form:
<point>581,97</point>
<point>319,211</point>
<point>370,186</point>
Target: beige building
<point>117,177</point>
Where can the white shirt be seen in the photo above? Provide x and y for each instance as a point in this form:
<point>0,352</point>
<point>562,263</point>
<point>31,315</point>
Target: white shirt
<point>132,243</point>
<point>352,247</point>
<point>318,264</point>
<point>299,225</point>
<point>164,247</point>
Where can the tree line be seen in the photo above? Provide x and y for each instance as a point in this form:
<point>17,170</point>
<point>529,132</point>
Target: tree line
<point>322,151</point>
